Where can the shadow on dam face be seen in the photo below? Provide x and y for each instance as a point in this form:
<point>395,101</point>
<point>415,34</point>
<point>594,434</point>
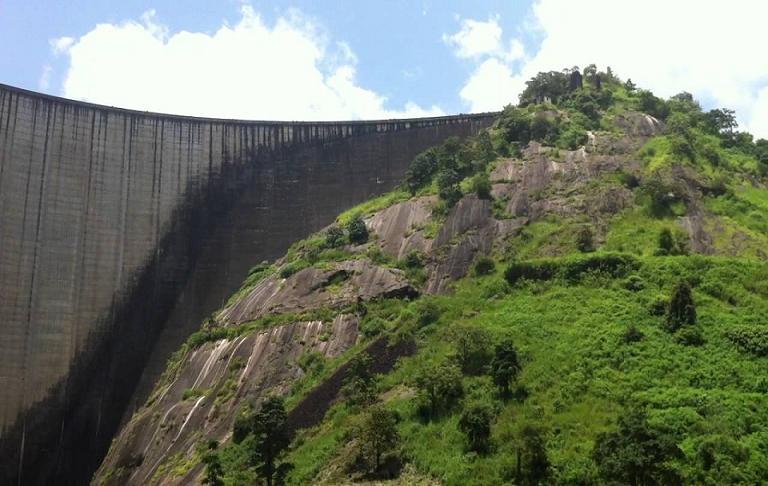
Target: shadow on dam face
<point>120,231</point>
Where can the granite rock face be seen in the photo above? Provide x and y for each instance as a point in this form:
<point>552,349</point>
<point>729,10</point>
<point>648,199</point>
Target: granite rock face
<point>121,230</point>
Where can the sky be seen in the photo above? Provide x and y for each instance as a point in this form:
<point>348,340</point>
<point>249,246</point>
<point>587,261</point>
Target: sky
<point>345,59</point>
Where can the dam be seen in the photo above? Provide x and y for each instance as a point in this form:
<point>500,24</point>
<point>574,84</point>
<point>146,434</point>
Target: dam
<point>121,230</point>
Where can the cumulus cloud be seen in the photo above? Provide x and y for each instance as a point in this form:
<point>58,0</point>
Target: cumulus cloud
<point>251,70</point>
<point>476,38</point>
<point>708,48</point>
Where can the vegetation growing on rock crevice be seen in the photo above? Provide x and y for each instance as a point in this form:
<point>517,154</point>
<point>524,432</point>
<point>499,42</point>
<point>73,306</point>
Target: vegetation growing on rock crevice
<point>609,327</point>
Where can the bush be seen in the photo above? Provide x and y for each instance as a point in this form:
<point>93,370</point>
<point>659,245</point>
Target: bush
<point>358,231</point>
<point>484,266</point>
<point>448,186</point>
<point>359,381</point>
<point>414,260</point>
<point>481,185</point>
<point>634,283</point>
<point>505,366</point>
<point>689,336</point>
<point>377,435</point>
<point>682,309</point>
<point>427,312</point>
<point>672,243</point>
<point>421,170</point>
<point>632,335</point>
<point>334,237</point>
<point>750,339</point>
<point>635,453</point>
<point>440,387</point>
<point>611,264</point>
<point>584,240</point>
<point>475,423</point>
<point>473,348</point>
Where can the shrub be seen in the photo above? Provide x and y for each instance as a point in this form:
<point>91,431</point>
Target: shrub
<point>632,335</point>
<point>448,186</point>
<point>634,283</point>
<point>658,306</point>
<point>481,185</point>
<point>414,259</point>
<point>682,309</point>
<point>484,266</point>
<point>635,453</point>
<point>358,231</point>
<point>689,336</point>
<point>440,387</point>
<point>584,240</point>
<point>312,363</point>
<point>358,385</point>
<point>750,339</point>
<point>473,348</point>
<point>427,312</point>
<point>421,170</point>
<point>611,264</point>
<point>475,423</point>
<point>533,466</point>
<point>293,267</point>
<point>377,435</point>
<point>334,237</point>
<point>672,243</point>
<point>504,366</point>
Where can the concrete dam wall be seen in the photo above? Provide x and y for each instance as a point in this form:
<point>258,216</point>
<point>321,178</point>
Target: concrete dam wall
<point>121,230</point>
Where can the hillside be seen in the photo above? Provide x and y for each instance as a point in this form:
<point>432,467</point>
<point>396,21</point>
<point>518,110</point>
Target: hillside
<point>577,295</point>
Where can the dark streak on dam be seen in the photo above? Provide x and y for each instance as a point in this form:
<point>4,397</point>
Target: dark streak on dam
<point>121,230</point>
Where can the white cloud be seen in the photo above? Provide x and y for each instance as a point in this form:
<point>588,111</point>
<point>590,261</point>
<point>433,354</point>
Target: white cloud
<point>289,70</point>
<point>476,38</point>
<point>489,87</point>
<point>45,78</point>
<point>712,49</point>
<point>61,45</point>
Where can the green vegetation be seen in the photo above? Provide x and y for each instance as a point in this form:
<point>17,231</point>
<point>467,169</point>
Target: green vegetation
<point>594,346</point>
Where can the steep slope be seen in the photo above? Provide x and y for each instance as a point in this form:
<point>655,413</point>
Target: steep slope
<point>571,230</point>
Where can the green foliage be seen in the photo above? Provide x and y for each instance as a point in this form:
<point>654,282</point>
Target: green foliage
<point>571,269</point>
<point>359,385</point>
<point>750,339</point>
<point>440,387</point>
<point>533,466</point>
<point>475,423</point>
<point>505,366</point>
<point>421,170</point>
<point>672,243</point>
<point>689,336</point>
<point>210,459</point>
<point>585,240</point>
<point>334,237</point>
<point>473,348</point>
<point>357,230</point>
<point>650,104</point>
<point>682,309</point>
<point>636,453</point>
<point>268,431</point>
<point>481,185</point>
<point>548,85</point>
<point>414,259</point>
<point>191,393</point>
<point>312,363</point>
<point>377,435</point>
<point>484,266</point>
<point>632,335</point>
<point>427,312</point>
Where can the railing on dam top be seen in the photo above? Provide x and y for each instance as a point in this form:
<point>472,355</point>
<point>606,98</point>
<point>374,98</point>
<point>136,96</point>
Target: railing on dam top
<point>259,132</point>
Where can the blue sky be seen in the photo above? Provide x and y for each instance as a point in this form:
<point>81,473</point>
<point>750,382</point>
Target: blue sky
<point>336,59</point>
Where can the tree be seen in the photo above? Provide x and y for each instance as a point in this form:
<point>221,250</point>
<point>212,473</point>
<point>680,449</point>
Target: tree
<point>532,461</point>
<point>440,387</point>
<point>359,380</point>
<point>484,148</point>
<point>475,423</point>
<point>666,242</point>
<point>448,185</point>
<point>635,453</point>
<point>721,122</point>
<point>682,309</point>
<point>271,438</point>
<point>378,435</point>
<point>421,170</point>
<point>584,240</point>
<point>504,366</point>
<point>472,348</point>
<point>358,231</point>
<point>481,186</point>
<point>212,463</point>
<point>334,237</point>
<point>545,86</point>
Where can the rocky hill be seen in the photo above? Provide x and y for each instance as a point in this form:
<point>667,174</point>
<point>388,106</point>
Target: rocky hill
<point>577,295</point>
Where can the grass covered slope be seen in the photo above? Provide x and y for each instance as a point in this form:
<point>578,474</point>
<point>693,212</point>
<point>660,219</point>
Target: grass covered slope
<point>586,287</point>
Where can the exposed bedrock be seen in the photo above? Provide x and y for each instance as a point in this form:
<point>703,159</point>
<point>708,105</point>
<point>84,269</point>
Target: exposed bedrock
<point>121,230</point>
